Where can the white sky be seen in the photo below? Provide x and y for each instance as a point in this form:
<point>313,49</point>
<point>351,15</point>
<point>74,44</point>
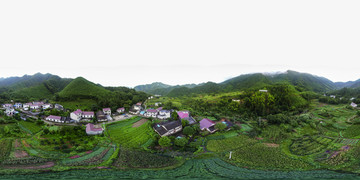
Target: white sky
<point>127,43</point>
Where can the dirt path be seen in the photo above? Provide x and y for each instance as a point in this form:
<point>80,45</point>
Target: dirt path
<point>139,123</point>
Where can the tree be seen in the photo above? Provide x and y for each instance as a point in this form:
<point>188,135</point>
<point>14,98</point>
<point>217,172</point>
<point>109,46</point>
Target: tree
<point>6,130</point>
<point>188,130</point>
<point>165,141</point>
<point>181,142</point>
<point>220,126</point>
<point>46,131</point>
<point>184,122</point>
<point>174,116</point>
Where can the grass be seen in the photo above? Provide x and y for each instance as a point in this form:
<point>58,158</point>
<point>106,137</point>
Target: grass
<point>123,133</point>
<point>84,104</point>
<point>223,145</point>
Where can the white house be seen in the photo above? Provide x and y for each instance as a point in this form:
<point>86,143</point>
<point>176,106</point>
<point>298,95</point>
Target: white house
<point>87,114</point>
<point>352,98</point>
<point>34,106</point>
<point>353,105</point>
<point>120,110</point>
<point>46,106</point>
<point>333,96</point>
<point>151,113</point>
<point>107,111</point>
<point>54,118</point>
<point>92,130</point>
<point>18,105</point>
<point>26,106</point>
<point>164,114</point>
<point>7,105</point>
<point>263,90</point>
<point>76,115</point>
<point>59,107</point>
<point>10,111</point>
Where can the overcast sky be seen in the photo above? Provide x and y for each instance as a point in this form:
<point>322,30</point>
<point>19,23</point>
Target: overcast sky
<point>127,43</point>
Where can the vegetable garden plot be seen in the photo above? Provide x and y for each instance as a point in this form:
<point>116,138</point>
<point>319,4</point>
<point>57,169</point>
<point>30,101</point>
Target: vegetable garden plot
<point>5,148</point>
<point>347,141</point>
<point>192,169</point>
<point>128,136</point>
<point>92,158</point>
<point>29,127</point>
<point>309,145</point>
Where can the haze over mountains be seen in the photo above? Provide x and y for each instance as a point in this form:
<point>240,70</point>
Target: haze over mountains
<point>39,86</point>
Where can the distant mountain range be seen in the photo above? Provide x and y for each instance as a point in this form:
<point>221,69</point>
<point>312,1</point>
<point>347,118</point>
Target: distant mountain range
<point>46,86</point>
<point>303,81</point>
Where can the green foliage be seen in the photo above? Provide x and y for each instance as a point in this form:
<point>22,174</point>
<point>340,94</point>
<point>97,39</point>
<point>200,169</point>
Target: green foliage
<point>165,141</point>
<point>188,130</point>
<point>220,126</point>
<point>181,142</point>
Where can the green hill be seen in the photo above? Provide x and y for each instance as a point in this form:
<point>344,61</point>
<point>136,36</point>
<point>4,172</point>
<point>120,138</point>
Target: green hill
<point>31,87</point>
<point>34,92</point>
<point>302,81</point>
<point>82,88</point>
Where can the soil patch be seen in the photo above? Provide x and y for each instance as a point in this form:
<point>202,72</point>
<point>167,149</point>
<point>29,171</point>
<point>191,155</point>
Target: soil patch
<point>25,143</point>
<point>271,145</point>
<point>20,154</point>
<point>17,143</point>
<point>139,123</point>
<point>31,166</point>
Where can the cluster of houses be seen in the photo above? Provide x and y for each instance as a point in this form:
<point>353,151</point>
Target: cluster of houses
<point>172,127</point>
<point>10,109</point>
<point>79,115</point>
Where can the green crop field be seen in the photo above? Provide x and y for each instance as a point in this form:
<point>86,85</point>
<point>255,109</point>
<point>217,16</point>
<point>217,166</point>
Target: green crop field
<point>123,133</point>
<point>261,156</point>
<point>228,144</point>
<point>192,169</point>
<point>29,127</point>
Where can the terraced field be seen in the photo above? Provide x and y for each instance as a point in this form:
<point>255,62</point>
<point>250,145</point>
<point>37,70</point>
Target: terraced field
<point>126,135</point>
<point>192,169</point>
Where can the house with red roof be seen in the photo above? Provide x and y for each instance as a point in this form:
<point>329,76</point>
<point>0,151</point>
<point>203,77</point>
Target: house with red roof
<point>120,110</point>
<point>186,116</point>
<point>76,115</point>
<point>92,130</point>
<point>88,114</point>
<point>151,113</point>
<point>53,118</point>
<point>207,124</point>
<point>107,111</point>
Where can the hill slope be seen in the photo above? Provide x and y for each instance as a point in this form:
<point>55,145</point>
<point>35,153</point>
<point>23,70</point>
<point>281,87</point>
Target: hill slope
<point>82,88</point>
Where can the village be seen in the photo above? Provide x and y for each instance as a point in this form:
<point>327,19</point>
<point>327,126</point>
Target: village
<point>166,122</point>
